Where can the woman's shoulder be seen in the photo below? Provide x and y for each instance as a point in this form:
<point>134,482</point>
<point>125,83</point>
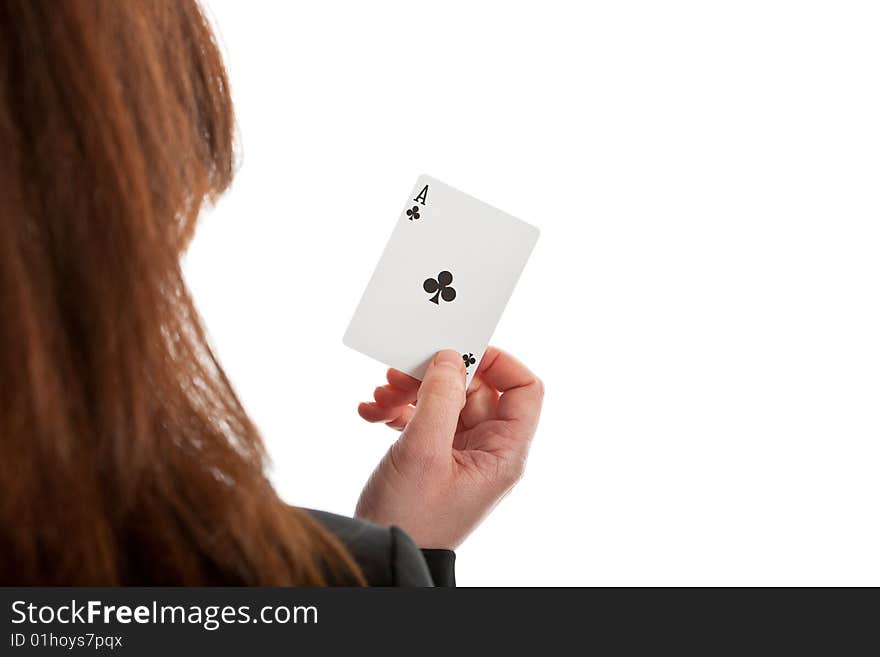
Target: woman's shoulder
<point>386,555</point>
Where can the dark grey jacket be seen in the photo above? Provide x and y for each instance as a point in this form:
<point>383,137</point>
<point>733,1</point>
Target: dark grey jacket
<point>387,556</point>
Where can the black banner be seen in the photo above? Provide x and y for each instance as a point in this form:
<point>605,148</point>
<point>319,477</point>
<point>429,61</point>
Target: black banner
<point>237,621</point>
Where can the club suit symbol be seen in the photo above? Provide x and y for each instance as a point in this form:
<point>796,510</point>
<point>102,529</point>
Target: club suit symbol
<point>413,214</point>
<point>442,286</point>
<point>468,359</point>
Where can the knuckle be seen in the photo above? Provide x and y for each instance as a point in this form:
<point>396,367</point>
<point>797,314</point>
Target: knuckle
<point>448,392</point>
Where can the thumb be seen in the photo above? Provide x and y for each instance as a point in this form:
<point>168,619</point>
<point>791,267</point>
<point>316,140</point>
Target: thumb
<point>440,400</point>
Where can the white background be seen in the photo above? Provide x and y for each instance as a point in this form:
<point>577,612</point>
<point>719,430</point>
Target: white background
<point>702,304</point>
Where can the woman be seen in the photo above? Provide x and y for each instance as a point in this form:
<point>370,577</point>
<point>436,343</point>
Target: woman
<point>125,456</point>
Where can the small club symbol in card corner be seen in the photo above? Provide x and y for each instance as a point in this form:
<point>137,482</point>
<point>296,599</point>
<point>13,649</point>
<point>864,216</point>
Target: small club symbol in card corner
<point>468,359</point>
<point>413,213</point>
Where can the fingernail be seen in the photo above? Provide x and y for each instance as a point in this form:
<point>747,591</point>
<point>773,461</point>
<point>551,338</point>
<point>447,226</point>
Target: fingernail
<point>449,357</point>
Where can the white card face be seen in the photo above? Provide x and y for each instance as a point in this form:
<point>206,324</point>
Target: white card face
<point>442,282</point>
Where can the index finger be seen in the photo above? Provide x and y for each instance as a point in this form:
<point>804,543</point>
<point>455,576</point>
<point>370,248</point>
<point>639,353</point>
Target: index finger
<point>521,391</point>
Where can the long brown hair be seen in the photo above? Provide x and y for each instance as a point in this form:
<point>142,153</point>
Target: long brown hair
<point>125,456</point>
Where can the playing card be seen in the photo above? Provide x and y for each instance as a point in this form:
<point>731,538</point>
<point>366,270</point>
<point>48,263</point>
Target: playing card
<point>442,282</point>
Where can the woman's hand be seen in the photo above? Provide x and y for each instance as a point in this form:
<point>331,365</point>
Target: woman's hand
<point>459,454</point>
